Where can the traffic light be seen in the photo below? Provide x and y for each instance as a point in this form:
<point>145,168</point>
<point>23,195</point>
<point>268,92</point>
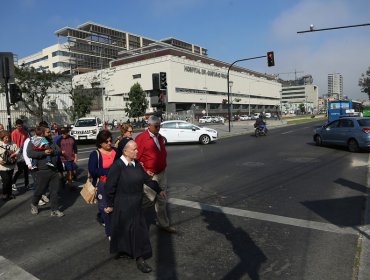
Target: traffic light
<point>15,93</point>
<point>270,59</point>
<point>162,80</point>
<point>155,77</point>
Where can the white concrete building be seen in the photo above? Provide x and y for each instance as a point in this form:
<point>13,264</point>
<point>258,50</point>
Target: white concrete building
<point>335,85</point>
<point>293,96</point>
<point>196,83</point>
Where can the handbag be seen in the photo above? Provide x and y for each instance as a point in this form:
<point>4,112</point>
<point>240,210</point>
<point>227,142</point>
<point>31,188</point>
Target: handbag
<point>89,191</point>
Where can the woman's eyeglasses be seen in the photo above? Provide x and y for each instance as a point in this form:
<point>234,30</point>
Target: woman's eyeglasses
<point>130,131</point>
<point>108,141</point>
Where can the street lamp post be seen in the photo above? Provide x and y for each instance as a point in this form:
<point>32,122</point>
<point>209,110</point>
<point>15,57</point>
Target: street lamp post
<point>205,94</point>
<point>228,80</point>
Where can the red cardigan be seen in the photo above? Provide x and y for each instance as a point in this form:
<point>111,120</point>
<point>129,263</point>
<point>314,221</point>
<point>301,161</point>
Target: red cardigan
<point>154,160</point>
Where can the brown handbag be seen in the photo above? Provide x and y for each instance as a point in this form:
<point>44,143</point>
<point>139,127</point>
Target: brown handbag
<point>89,191</point>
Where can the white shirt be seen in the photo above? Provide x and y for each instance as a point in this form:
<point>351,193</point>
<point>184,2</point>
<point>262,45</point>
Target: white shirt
<point>155,138</point>
<point>125,161</point>
<point>25,156</point>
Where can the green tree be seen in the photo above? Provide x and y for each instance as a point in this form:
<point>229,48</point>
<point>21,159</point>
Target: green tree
<point>302,108</point>
<point>82,100</point>
<point>137,105</point>
<point>364,83</point>
<point>34,85</point>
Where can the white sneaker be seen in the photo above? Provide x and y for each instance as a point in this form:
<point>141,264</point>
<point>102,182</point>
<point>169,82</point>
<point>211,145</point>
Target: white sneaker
<point>44,198</point>
<point>14,187</point>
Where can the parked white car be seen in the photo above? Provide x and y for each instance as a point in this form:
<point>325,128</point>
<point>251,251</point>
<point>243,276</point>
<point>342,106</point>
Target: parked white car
<point>178,131</point>
<point>244,117</point>
<point>205,119</point>
<point>86,128</point>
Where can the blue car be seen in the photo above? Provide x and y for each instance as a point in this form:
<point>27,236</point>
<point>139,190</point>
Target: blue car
<point>351,132</point>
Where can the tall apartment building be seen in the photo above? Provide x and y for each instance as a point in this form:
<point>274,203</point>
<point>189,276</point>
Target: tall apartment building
<point>92,46</point>
<point>335,85</point>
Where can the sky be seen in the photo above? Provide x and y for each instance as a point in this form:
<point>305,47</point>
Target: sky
<point>229,29</point>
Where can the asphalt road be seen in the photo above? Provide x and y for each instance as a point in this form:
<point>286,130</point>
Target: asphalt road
<point>274,207</point>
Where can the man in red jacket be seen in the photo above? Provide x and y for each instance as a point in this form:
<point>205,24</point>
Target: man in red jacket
<point>153,155</point>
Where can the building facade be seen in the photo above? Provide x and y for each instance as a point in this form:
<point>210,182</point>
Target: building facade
<point>195,83</point>
<point>335,85</point>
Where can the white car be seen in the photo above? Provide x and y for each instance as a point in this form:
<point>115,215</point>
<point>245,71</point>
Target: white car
<point>244,117</point>
<point>206,119</point>
<point>181,131</point>
<point>86,128</point>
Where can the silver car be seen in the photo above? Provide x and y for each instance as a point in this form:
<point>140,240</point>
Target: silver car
<point>351,132</point>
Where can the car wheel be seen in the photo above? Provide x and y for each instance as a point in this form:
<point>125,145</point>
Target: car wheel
<point>165,140</point>
<point>318,140</point>
<point>353,146</point>
<point>204,139</point>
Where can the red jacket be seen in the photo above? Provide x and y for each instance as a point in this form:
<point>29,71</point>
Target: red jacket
<point>154,160</point>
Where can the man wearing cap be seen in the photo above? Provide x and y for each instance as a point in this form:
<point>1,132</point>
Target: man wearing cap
<point>153,155</point>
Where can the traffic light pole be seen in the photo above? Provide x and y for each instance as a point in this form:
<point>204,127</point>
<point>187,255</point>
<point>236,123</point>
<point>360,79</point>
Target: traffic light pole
<point>228,87</point>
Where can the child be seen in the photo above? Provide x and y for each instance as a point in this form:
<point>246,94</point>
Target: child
<point>40,143</point>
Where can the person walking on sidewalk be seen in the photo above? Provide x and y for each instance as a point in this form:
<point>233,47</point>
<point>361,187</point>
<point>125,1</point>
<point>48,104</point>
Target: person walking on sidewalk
<point>124,192</point>
<point>19,135</point>
<point>8,157</point>
<point>153,155</point>
<point>126,132</point>
<point>46,176</point>
<point>69,158</point>
<point>44,199</point>
<point>99,164</point>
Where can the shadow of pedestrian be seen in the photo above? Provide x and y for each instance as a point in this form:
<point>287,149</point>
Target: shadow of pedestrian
<point>250,255</point>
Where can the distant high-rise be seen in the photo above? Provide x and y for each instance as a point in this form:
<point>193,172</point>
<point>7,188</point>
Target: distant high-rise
<point>335,85</point>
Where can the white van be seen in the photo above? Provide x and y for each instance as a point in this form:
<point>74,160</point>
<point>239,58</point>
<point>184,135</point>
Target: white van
<point>86,128</point>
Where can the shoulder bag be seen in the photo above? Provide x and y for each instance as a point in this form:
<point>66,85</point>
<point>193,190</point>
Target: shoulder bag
<point>88,191</point>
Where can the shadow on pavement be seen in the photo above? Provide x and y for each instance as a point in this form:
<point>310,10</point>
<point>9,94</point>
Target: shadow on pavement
<point>250,255</point>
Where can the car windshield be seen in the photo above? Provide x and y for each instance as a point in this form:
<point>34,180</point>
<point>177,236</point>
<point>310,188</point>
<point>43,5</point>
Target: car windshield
<point>83,123</point>
<point>364,122</point>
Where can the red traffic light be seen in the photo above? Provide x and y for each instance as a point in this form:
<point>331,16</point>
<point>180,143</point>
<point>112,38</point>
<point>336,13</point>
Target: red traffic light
<point>270,59</point>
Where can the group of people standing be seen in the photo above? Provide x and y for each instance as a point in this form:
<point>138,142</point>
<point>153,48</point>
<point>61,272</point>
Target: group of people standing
<point>36,152</point>
<point>130,176</point>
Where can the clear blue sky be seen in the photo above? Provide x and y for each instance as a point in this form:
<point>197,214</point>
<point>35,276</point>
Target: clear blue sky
<point>229,29</point>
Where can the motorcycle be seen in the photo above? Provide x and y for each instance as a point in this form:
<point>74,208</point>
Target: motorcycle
<point>260,130</point>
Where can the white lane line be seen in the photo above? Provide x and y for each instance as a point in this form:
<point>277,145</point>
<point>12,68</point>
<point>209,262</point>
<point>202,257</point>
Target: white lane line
<point>287,132</point>
<point>265,217</point>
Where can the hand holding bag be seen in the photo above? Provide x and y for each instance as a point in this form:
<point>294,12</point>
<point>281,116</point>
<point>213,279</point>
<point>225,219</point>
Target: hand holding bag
<point>89,191</point>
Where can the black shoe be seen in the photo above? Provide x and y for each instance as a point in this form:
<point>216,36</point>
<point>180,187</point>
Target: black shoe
<point>143,266</point>
<point>122,256</point>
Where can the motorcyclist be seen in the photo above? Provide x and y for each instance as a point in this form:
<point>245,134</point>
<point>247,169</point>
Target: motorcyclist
<point>260,123</point>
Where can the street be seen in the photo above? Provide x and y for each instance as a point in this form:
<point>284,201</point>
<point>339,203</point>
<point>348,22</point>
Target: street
<point>275,207</point>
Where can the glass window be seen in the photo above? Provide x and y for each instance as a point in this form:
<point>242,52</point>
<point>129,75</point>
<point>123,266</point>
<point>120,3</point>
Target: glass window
<point>333,124</point>
<point>345,123</point>
<point>171,125</point>
<point>186,126</point>
<point>364,122</point>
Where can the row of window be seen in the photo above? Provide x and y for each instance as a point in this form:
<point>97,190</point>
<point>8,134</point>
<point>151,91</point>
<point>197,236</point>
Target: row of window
<point>36,60</point>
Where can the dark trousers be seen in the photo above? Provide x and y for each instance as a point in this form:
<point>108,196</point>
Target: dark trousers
<point>102,203</point>
<point>44,179</point>
<point>22,168</point>
<point>6,177</point>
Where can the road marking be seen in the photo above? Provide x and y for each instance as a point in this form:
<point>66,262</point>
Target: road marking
<point>265,217</point>
<point>287,132</point>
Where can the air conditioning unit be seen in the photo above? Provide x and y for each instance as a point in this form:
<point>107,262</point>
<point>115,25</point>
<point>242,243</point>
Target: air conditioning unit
<point>53,104</point>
